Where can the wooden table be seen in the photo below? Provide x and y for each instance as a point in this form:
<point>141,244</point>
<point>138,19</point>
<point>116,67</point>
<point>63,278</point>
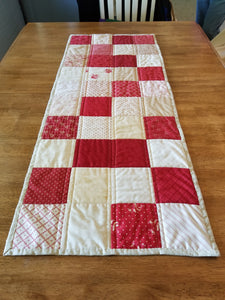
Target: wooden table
<point>198,82</point>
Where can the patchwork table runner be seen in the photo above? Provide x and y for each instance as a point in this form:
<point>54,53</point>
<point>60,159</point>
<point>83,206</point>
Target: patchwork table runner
<point>111,173</point>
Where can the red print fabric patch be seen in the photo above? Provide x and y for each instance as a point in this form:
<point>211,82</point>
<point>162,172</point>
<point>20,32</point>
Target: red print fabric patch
<point>131,153</point>
<point>60,127</point>
<point>96,106</point>
<point>80,40</point>
<point>125,61</point>
<point>161,128</point>
<point>150,73</point>
<point>144,39</point>
<point>136,39</point>
<point>93,154</point>
<point>48,186</point>
<point>174,185</point>
<point>126,89</point>
<point>134,225</point>
<point>122,39</point>
<point>100,61</point>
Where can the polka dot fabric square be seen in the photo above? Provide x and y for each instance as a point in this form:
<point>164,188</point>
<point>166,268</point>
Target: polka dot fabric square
<point>48,186</point>
<point>111,174</point>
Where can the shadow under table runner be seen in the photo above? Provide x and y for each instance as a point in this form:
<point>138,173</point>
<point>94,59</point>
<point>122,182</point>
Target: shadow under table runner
<point>111,173</point>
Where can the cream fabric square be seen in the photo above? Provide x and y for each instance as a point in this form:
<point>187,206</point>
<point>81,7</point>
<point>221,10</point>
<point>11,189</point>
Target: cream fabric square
<point>148,61</point>
<point>124,49</point>
<point>70,86</point>
<point>74,59</point>
<point>154,88</point>
<point>101,39</point>
<point>71,74</point>
<point>126,74</point>
<point>97,89</point>
<point>94,128</point>
<point>64,104</point>
<point>183,227</point>
<point>167,153</point>
<point>158,105</point>
<point>147,49</point>
<point>99,74</point>
<point>129,128</point>
<point>55,154</point>
<point>78,49</point>
<point>127,106</point>
<point>86,231</point>
<point>90,185</point>
<point>133,185</point>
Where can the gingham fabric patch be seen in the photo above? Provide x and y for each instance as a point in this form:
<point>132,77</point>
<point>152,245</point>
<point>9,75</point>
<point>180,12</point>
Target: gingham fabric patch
<point>111,173</point>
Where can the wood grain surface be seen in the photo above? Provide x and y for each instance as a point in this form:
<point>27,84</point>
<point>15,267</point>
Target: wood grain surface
<point>197,78</point>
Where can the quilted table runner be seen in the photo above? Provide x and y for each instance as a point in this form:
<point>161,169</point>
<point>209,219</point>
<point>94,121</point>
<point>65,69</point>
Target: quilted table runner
<point>110,173</point>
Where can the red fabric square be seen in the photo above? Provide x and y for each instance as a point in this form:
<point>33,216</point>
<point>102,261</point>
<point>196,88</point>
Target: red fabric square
<point>131,153</point>
<point>102,49</point>
<point>80,40</point>
<point>100,61</point>
<point>161,128</point>
<point>48,186</point>
<point>126,89</point>
<point>134,225</point>
<point>96,106</point>
<point>93,154</point>
<point>144,39</point>
<point>151,73</point>
<point>60,127</point>
<point>174,185</point>
<point>125,61</point>
<point>122,39</point>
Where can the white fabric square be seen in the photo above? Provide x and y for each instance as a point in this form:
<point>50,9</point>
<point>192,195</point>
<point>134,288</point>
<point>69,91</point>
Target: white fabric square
<point>87,226</point>
<point>183,227</point>
<point>127,106</point>
<point>70,86</point>
<point>64,104</point>
<point>71,74</point>
<point>55,154</point>
<point>129,127</point>
<point>126,74</point>
<point>99,74</point>
<point>158,105</point>
<point>148,61</point>
<point>78,49</point>
<point>94,128</point>
<point>133,185</point>
<point>90,185</point>
<point>124,49</point>
<point>148,49</point>
<point>97,89</point>
<point>101,39</point>
<point>167,153</point>
<point>154,88</point>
